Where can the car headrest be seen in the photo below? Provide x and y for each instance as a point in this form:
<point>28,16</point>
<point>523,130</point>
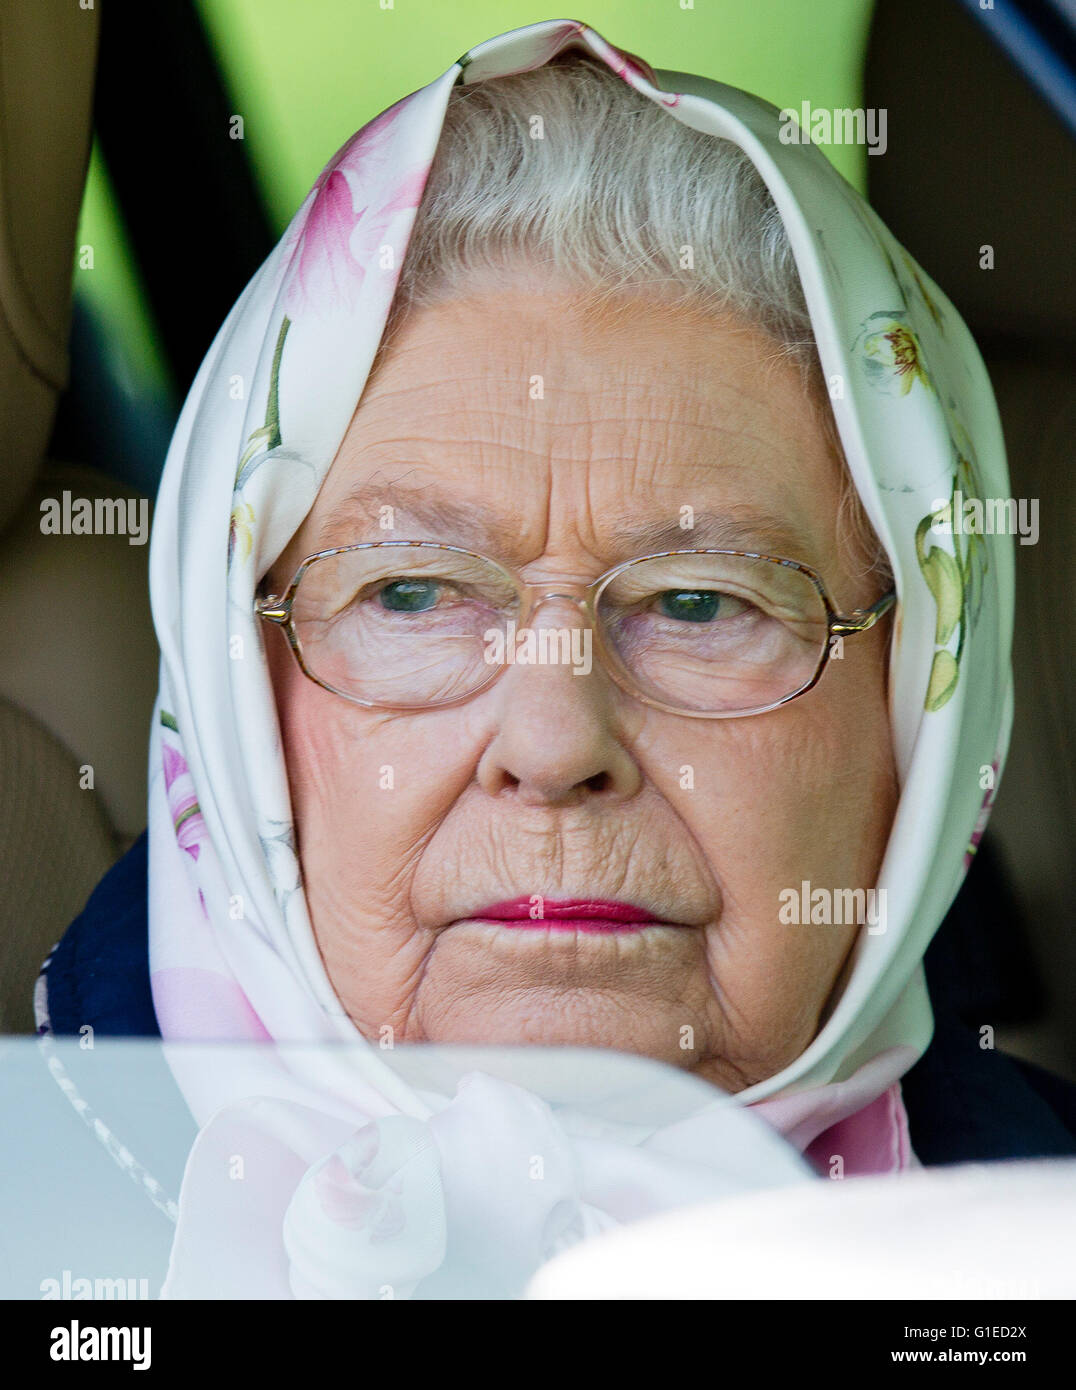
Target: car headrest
<point>48,55</point>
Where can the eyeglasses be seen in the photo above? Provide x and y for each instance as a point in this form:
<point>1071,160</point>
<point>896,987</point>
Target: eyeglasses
<point>710,634</point>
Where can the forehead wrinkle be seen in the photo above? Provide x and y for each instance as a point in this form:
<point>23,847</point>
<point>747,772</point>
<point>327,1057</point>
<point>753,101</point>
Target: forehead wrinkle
<point>502,391</point>
<point>611,430</point>
<point>499,409</point>
<point>640,449</point>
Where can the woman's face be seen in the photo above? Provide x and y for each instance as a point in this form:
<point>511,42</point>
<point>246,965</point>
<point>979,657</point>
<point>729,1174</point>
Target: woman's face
<point>505,424</point>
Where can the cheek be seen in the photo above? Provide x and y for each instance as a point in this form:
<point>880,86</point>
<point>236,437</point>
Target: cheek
<point>363,796</point>
<point>805,793</point>
<point>769,799</point>
<point>308,732</point>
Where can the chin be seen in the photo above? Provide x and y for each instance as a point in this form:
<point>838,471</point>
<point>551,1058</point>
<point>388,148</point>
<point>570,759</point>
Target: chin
<point>580,1017</point>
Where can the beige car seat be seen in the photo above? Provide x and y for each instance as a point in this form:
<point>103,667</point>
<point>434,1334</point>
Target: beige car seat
<point>79,664</point>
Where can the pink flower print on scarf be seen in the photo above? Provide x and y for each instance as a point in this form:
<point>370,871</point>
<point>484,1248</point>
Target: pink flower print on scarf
<point>327,251</point>
<point>187,820</point>
<point>632,69</point>
<point>333,243</point>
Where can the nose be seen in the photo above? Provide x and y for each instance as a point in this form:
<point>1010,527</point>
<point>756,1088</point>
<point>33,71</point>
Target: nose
<point>561,738</point>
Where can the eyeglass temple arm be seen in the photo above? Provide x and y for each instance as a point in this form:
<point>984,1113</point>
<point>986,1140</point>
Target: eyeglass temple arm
<point>863,618</point>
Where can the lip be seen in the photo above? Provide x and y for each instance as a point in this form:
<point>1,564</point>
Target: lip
<point>567,914</point>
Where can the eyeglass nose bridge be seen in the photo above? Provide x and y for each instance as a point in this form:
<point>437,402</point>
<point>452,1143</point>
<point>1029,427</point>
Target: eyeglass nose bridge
<point>537,594</point>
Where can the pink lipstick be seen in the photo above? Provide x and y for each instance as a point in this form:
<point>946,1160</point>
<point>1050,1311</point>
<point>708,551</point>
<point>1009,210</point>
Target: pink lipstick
<point>571,914</point>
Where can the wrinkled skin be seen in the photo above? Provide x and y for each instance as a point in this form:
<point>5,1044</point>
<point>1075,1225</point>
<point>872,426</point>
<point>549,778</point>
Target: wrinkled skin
<point>553,784</point>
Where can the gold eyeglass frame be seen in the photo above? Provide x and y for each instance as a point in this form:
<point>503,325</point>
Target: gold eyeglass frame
<point>277,609</point>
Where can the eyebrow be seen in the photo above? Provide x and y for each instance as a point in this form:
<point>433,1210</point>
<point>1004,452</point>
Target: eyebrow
<point>738,528</point>
<point>433,518</point>
<point>474,525</point>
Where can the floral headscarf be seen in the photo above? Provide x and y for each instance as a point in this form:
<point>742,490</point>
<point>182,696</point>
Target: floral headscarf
<point>232,952</point>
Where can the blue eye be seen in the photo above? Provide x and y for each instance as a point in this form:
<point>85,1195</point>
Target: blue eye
<point>409,595</point>
<point>690,605</point>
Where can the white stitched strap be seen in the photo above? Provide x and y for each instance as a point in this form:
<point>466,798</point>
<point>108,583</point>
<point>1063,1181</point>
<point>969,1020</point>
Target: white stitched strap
<point>117,1151</point>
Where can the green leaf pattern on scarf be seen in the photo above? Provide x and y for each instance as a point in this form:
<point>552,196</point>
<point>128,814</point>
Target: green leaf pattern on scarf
<point>260,445</point>
<point>955,579</point>
<point>892,357</point>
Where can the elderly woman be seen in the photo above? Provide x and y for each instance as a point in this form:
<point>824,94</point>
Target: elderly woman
<point>591,446</point>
